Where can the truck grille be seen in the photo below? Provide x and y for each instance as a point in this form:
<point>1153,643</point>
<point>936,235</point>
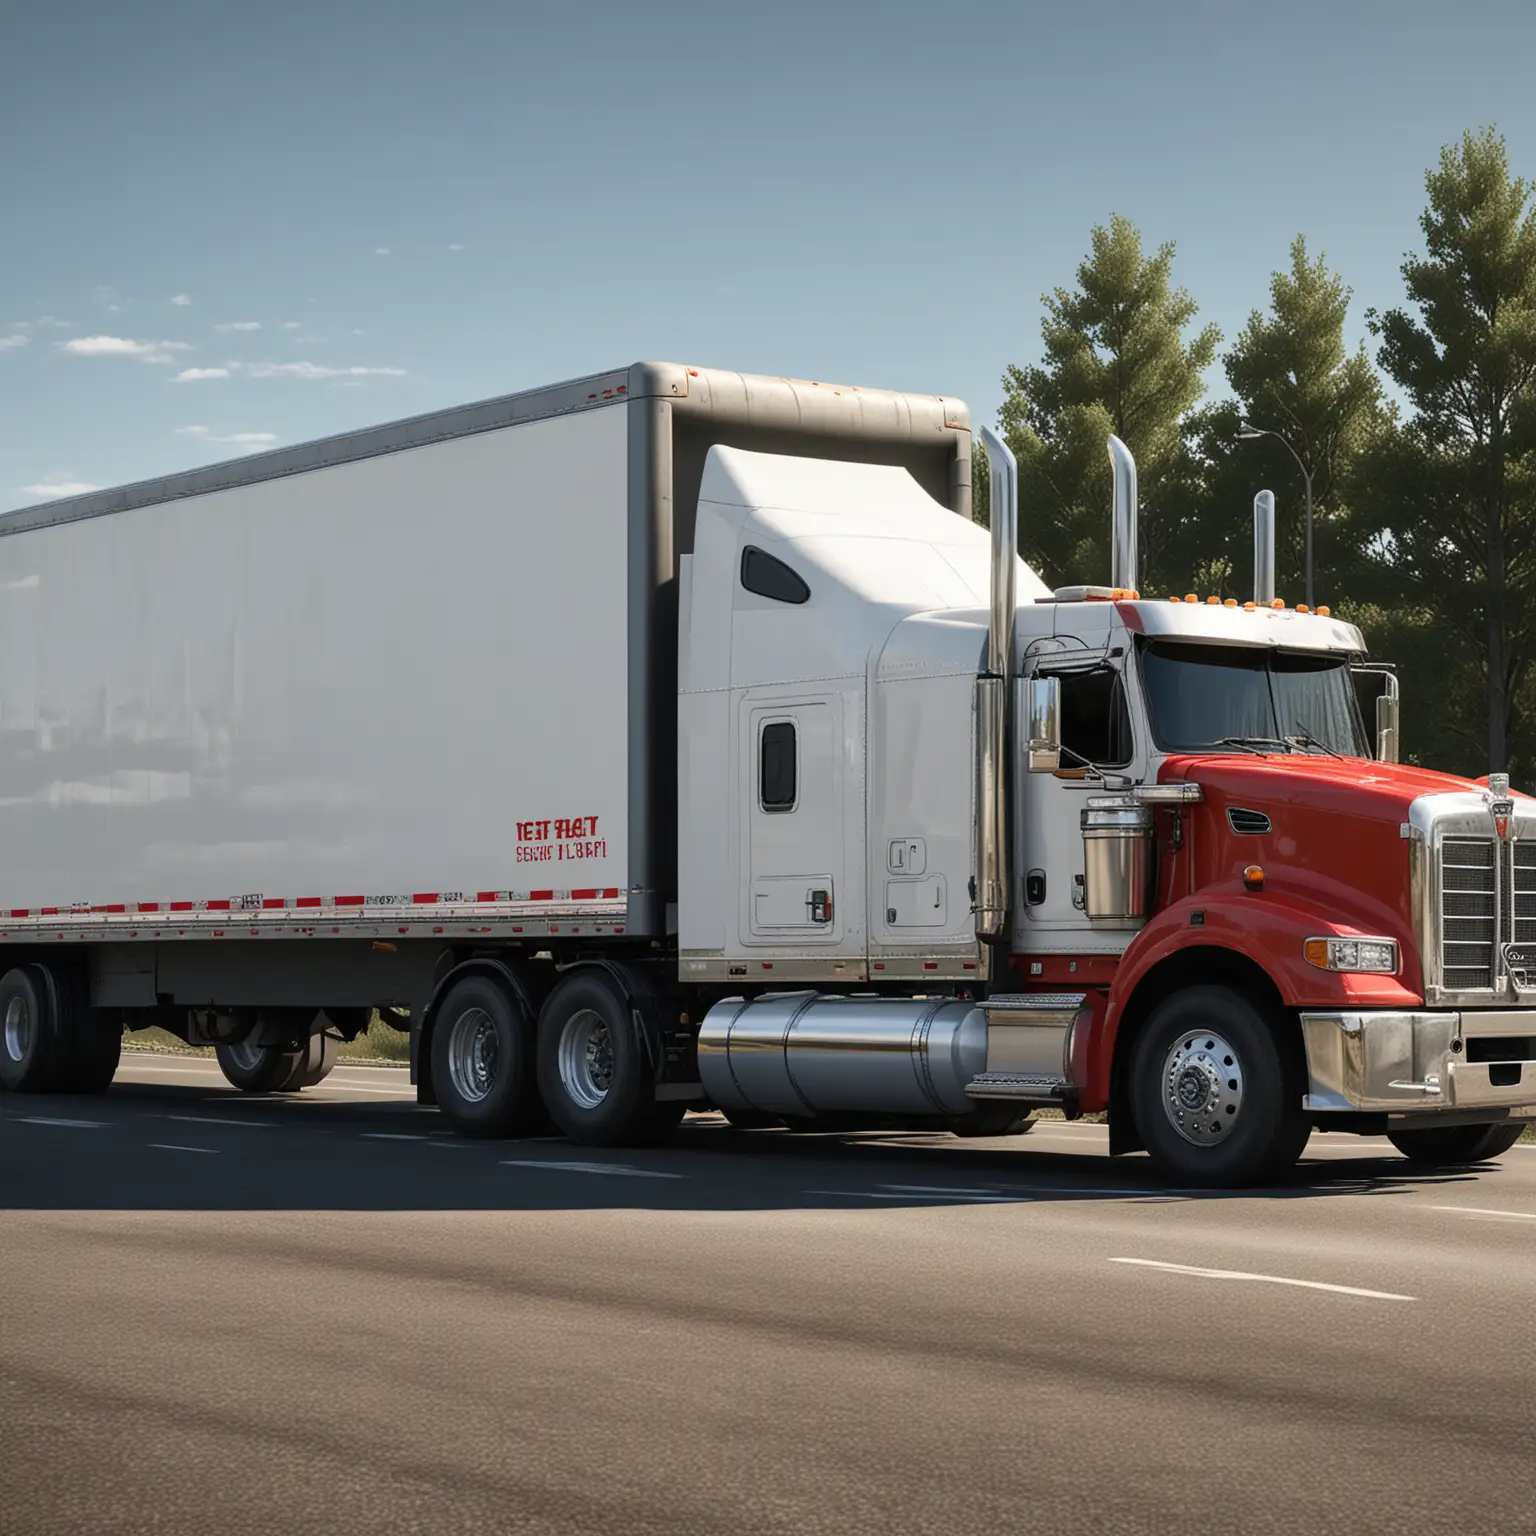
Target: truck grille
<point>1488,897</point>
<point>1469,913</point>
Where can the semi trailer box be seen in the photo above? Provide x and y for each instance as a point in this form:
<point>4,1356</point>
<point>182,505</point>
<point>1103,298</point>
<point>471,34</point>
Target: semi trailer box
<point>419,678</point>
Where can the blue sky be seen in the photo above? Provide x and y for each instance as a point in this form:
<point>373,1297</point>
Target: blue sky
<point>227,225</point>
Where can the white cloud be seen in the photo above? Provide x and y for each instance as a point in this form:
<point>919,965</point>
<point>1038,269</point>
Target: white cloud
<point>122,346</point>
<point>455,247</point>
<point>52,487</point>
<point>114,309</point>
<point>291,325</point>
<point>15,339</point>
<point>316,371</point>
<point>194,375</point>
<point>359,333</point>
<point>239,439</point>
<point>52,322</point>
<point>239,325</point>
<point>382,250</point>
<point>180,300</point>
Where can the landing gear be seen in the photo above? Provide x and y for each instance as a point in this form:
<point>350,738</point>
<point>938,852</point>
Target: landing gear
<point>1456,1144</point>
<point>1217,1097</point>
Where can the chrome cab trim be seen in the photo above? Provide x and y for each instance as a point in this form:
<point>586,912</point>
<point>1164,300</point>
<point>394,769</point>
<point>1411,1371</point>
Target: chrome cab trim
<point>1418,1060</point>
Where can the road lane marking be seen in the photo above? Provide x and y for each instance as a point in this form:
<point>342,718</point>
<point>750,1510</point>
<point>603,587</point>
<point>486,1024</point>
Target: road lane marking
<point>1243,1274</point>
<point>393,1136</point>
<point>951,1197</point>
<point>171,1146</point>
<point>68,1125</point>
<point>221,1120</point>
<point>1475,1210</point>
<point>618,1170</point>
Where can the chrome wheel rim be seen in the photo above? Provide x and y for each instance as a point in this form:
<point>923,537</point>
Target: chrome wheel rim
<point>245,1055</point>
<point>19,1029</point>
<point>472,1053</point>
<point>586,1059</point>
<point>1202,1088</point>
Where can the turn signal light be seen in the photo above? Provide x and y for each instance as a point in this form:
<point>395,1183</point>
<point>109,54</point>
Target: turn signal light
<point>1253,877</point>
<point>1376,956</point>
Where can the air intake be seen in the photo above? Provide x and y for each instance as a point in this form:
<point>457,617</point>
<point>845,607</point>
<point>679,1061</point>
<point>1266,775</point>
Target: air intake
<point>1247,823</point>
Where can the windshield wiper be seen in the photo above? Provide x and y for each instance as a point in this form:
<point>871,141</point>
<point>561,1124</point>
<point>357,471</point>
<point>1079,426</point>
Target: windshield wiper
<point>1307,739</point>
<point>1252,743</point>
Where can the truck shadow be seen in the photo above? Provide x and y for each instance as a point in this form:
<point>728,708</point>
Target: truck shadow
<point>157,1147</point>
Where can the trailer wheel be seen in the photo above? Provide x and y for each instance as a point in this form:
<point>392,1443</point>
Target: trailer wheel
<point>482,1060</point>
<point>256,1068</point>
<point>596,1077</point>
<point>1216,1096</point>
<point>96,1050</point>
<point>319,1058</point>
<point>31,1048</point>
<point>1448,1146</point>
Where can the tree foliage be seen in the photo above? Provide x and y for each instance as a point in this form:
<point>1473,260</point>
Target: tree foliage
<point>1116,360</point>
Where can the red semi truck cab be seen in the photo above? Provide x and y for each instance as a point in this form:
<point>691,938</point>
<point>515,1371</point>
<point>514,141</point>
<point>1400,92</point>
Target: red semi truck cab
<point>1277,926</point>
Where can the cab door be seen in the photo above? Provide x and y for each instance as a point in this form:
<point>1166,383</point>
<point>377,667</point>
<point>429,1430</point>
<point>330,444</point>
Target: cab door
<point>791,785</point>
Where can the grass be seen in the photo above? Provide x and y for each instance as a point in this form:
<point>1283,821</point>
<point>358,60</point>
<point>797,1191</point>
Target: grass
<point>381,1046</point>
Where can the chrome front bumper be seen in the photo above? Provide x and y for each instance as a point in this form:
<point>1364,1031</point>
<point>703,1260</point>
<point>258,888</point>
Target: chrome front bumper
<point>1422,1062</point>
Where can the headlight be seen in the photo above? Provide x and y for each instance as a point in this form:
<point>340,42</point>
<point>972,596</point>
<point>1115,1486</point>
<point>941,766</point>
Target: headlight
<point>1377,955</point>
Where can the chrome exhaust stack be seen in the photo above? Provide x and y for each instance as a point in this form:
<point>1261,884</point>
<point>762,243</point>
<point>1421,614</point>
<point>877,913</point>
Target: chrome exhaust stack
<point>1122,548</point>
<point>989,899</point>
<point>1264,548</point>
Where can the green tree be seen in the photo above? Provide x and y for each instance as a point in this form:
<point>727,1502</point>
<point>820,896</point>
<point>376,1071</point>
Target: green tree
<point>1116,360</point>
<point>1453,494</point>
<point>1291,373</point>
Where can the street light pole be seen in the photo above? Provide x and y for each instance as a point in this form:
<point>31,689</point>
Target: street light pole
<point>1246,430</point>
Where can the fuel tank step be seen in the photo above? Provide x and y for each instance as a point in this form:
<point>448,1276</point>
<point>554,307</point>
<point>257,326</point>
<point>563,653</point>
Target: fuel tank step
<point>1033,1086</point>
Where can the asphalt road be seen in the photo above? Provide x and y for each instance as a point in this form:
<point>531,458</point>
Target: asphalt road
<point>324,1314</point>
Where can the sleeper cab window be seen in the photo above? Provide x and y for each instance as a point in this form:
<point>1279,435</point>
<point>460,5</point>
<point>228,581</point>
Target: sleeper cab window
<point>776,766</point>
<point>768,576</point>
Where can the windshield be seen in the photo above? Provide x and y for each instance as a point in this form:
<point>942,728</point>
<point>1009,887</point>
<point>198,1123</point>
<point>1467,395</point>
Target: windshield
<point>1205,698</point>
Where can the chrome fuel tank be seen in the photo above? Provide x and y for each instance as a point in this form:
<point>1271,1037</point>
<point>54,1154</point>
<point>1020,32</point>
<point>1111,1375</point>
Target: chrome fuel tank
<point>804,1053</point>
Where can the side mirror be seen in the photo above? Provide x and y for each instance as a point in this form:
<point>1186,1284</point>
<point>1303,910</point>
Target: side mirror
<point>1386,727</point>
<point>1043,740</point>
<point>1376,689</point>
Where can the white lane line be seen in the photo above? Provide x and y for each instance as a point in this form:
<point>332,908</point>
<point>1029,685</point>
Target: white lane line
<point>328,1086</point>
<point>616,1170</point>
<point>1476,1210</point>
<point>392,1136</point>
<point>221,1120</point>
<point>69,1125</point>
<point>1243,1274</point>
<point>171,1146</point>
<point>948,1198</point>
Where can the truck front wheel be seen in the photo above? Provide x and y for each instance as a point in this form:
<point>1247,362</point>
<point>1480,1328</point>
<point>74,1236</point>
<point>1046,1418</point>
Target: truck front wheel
<point>594,1071</point>
<point>1216,1096</point>
<point>1448,1146</point>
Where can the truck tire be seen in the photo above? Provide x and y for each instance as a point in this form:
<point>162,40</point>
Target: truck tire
<point>32,1054</point>
<point>256,1068</point>
<point>482,1060</point>
<point>594,1072</point>
<point>319,1058</point>
<point>96,1049</point>
<point>1455,1144</point>
<point>1216,1095</point>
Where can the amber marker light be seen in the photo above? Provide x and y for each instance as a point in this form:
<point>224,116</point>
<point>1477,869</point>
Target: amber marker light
<point>1323,613</point>
<point>1231,602</point>
<point>1249,607</point>
<point>1213,602</point>
<point>1189,597</point>
<point>1253,878</point>
<point>1277,602</point>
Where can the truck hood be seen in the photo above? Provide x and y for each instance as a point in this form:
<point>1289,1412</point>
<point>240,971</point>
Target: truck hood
<point>1317,785</point>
